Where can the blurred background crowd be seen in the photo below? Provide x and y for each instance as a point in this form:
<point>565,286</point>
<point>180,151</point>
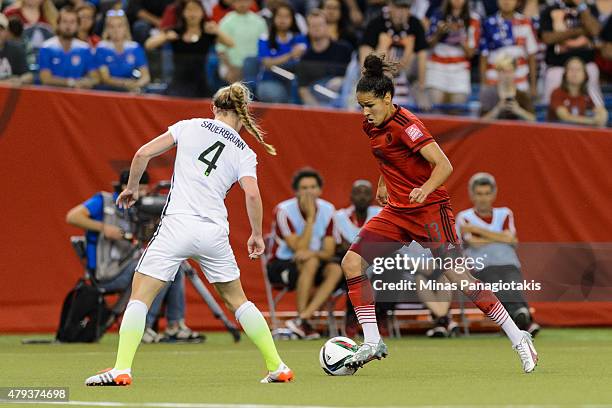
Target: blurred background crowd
<point>545,60</point>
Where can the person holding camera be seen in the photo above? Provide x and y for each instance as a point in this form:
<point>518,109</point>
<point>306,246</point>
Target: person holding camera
<point>112,257</point>
<point>505,101</point>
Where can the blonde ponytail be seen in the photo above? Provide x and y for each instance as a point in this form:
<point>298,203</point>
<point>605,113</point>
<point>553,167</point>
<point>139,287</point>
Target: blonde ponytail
<point>236,98</point>
<point>240,97</point>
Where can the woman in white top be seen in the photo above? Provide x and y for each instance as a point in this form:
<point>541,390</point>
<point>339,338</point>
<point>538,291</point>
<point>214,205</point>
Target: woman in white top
<point>211,156</point>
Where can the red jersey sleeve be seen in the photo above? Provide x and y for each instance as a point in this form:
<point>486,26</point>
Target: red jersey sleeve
<point>329,231</point>
<point>415,136</point>
<point>509,223</point>
<point>283,226</point>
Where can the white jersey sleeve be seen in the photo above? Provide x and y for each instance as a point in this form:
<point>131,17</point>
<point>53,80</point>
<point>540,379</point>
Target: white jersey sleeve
<point>248,165</point>
<point>177,129</point>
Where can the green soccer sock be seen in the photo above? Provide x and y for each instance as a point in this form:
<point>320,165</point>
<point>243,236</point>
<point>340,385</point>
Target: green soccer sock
<point>130,333</point>
<point>256,328</point>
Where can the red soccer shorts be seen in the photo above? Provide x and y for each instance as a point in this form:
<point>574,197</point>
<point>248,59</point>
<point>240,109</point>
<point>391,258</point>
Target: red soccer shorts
<point>432,226</point>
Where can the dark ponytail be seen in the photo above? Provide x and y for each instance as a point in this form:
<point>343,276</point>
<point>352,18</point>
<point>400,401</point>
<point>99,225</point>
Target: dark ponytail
<point>376,76</point>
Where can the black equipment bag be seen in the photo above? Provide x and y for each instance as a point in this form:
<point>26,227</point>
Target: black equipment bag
<point>84,315</point>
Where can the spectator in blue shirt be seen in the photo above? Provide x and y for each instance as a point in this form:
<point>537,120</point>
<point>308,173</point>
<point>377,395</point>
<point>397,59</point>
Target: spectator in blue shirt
<point>122,62</point>
<point>90,216</point>
<point>281,47</point>
<point>65,60</point>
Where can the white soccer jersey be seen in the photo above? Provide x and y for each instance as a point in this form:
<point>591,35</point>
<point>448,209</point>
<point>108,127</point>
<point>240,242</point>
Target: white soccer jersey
<point>211,156</point>
<point>346,225</point>
<point>289,220</point>
<point>495,253</point>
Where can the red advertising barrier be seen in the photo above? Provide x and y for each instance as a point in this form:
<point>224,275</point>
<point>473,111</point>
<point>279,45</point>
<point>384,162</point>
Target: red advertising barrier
<point>58,148</point>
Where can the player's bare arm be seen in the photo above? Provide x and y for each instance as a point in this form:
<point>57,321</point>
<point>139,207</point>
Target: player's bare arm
<point>441,169</point>
<point>155,147</point>
<point>255,244</point>
<point>381,192</point>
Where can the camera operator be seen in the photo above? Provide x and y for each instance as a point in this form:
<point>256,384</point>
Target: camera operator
<point>112,257</point>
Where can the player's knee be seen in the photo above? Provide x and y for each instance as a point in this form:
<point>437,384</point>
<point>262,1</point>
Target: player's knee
<point>233,301</point>
<point>232,294</point>
<point>351,264</point>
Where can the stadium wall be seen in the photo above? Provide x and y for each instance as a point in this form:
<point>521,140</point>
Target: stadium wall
<point>57,148</point>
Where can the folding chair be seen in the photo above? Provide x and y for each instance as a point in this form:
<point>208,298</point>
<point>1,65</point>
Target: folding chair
<point>281,289</point>
<point>275,292</point>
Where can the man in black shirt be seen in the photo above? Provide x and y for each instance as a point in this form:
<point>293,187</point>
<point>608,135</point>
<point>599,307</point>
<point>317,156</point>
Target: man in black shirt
<point>13,66</point>
<point>324,61</point>
<point>400,36</point>
<point>569,28</point>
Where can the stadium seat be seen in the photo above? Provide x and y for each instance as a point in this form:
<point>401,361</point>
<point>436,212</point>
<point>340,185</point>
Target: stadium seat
<point>274,294</point>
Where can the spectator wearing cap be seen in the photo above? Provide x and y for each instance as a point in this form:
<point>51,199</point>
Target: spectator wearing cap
<point>569,28</point>
<point>13,66</point>
<point>488,233</point>
<point>87,16</point>
<point>244,28</point>
<point>65,60</point>
<point>574,102</point>
<point>453,37</point>
<point>505,100</point>
<point>122,62</point>
<point>509,33</point>
<point>401,36</point>
<point>323,64</point>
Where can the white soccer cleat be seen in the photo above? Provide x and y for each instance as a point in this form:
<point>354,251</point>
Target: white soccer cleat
<point>109,377</point>
<point>283,374</point>
<point>366,353</point>
<point>527,352</point>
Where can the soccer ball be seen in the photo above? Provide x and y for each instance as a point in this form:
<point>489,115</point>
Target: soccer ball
<point>334,353</point>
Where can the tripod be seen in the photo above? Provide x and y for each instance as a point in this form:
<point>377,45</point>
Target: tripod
<point>210,301</point>
<point>78,244</point>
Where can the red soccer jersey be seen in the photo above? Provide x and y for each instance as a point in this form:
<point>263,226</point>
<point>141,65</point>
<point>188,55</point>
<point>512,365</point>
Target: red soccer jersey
<point>396,144</point>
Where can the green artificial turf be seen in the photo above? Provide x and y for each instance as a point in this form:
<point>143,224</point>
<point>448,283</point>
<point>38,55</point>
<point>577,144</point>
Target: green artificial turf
<point>482,370</point>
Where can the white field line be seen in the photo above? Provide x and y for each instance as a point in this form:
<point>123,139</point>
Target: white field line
<point>207,405</point>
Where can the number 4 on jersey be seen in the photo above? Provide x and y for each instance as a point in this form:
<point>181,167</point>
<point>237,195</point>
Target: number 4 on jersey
<point>216,149</point>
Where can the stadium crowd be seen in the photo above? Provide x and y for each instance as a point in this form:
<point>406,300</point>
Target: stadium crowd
<point>509,59</point>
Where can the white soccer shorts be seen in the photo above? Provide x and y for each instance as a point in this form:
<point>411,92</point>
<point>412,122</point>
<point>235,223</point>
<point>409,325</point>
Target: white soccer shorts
<point>450,78</point>
<point>180,237</point>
